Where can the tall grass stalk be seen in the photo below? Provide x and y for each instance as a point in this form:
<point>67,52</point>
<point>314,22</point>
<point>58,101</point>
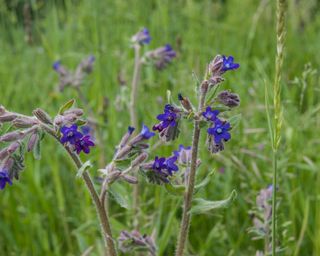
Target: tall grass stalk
<point>277,112</point>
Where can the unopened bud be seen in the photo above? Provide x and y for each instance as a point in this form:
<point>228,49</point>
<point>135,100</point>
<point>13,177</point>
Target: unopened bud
<point>229,99</point>
<point>12,136</point>
<point>24,122</point>
<point>123,152</point>
<point>7,117</point>
<point>13,147</point>
<point>215,66</point>
<point>204,87</point>
<point>2,110</point>
<point>42,116</point>
<point>139,159</point>
<point>34,138</point>
<point>130,179</point>
<point>126,137</point>
<point>185,102</point>
<point>74,111</point>
<point>4,153</point>
<point>113,176</point>
<point>214,80</point>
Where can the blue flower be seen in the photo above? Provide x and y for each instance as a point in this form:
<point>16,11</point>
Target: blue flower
<point>159,164</point>
<point>4,179</point>
<point>142,37</point>
<point>70,134</point>
<point>168,118</point>
<point>84,144</point>
<point>131,129</point>
<point>171,165</point>
<point>56,65</point>
<point>162,56</point>
<point>220,131</point>
<point>145,132</point>
<point>228,63</point>
<point>210,114</point>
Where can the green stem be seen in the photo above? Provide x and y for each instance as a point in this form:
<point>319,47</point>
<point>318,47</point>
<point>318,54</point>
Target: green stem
<point>186,216</point>
<point>103,216</point>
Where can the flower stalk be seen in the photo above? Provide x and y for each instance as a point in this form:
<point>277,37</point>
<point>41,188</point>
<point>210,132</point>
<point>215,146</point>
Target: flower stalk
<point>103,216</point>
<point>186,216</point>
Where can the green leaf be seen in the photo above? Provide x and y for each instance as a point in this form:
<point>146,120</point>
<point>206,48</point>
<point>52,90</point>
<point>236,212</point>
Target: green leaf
<point>81,122</point>
<point>116,193</point>
<point>83,168</point>
<point>176,190</point>
<point>37,147</point>
<point>204,182</point>
<point>204,206</point>
<point>235,120</point>
<point>66,106</point>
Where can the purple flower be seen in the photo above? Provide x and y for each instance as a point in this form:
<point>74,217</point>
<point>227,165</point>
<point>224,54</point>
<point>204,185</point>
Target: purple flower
<point>70,134</point>
<point>162,56</point>
<point>86,129</point>
<point>228,63</point>
<point>142,37</point>
<point>145,132</point>
<point>91,59</point>
<point>56,65</point>
<point>210,114</point>
<point>84,144</point>
<point>171,165</point>
<point>159,164</point>
<point>4,179</point>
<point>168,118</point>
<point>220,131</point>
<point>131,129</point>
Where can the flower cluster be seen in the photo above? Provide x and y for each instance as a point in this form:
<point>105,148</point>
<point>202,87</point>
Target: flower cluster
<point>169,120</point>
<point>75,138</point>
<point>142,37</point>
<point>218,132</point>
<point>73,78</point>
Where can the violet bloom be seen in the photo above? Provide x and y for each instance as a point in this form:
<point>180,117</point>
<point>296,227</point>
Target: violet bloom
<point>84,144</point>
<point>162,56</point>
<point>142,37</point>
<point>220,131</point>
<point>159,164</point>
<point>145,133</point>
<point>228,63</point>
<point>210,114</point>
<point>4,179</point>
<point>70,134</point>
<point>171,165</point>
<point>168,118</point>
<point>56,65</point>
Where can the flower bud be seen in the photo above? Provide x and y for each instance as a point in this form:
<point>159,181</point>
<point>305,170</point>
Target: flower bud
<point>123,152</point>
<point>139,159</point>
<point>130,179</point>
<point>4,153</point>
<point>74,111</point>
<point>12,136</point>
<point>34,138</point>
<point>229,99</point>
<point>113,176</point>
<point>24,122</point>
<point>42,116</point>
<point>126,137</point>
<point>185,102</point>
<point>215,66</point>
<point>2,110</point>
<point>13,147</point>
<point>7,117</point>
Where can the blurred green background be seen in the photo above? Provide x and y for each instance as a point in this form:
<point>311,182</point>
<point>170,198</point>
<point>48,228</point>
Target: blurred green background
<point>49,212</point>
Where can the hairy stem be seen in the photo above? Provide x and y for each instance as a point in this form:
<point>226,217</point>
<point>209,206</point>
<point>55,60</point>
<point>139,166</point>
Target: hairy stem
<point>103,216</point>
<point>134,118</point>
<point>277,112</point>
<point>186,216</point>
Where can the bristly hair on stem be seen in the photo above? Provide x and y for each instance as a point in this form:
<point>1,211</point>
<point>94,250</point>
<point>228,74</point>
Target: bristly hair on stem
<point>277,118</point>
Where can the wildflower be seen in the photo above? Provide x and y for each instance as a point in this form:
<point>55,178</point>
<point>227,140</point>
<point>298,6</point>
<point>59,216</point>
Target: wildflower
<point>210,114</point>
<point>185,102</point>
<point>171,164</point>
<point>229,99</point>
<point>183,155</point>
<point>70,134</point>
<point>220,131</point>
<point>145,133</point>
<point>84,144</point>
<point>159,164</point>
<point>168,126</point>
<point>4,179</point>
<point>56,65</point>
<point>162,56</point>
<point>142,37</point>
<point>228,63</point>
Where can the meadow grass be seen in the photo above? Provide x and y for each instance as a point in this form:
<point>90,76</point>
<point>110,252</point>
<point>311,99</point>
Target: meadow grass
<point>49,212</point>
